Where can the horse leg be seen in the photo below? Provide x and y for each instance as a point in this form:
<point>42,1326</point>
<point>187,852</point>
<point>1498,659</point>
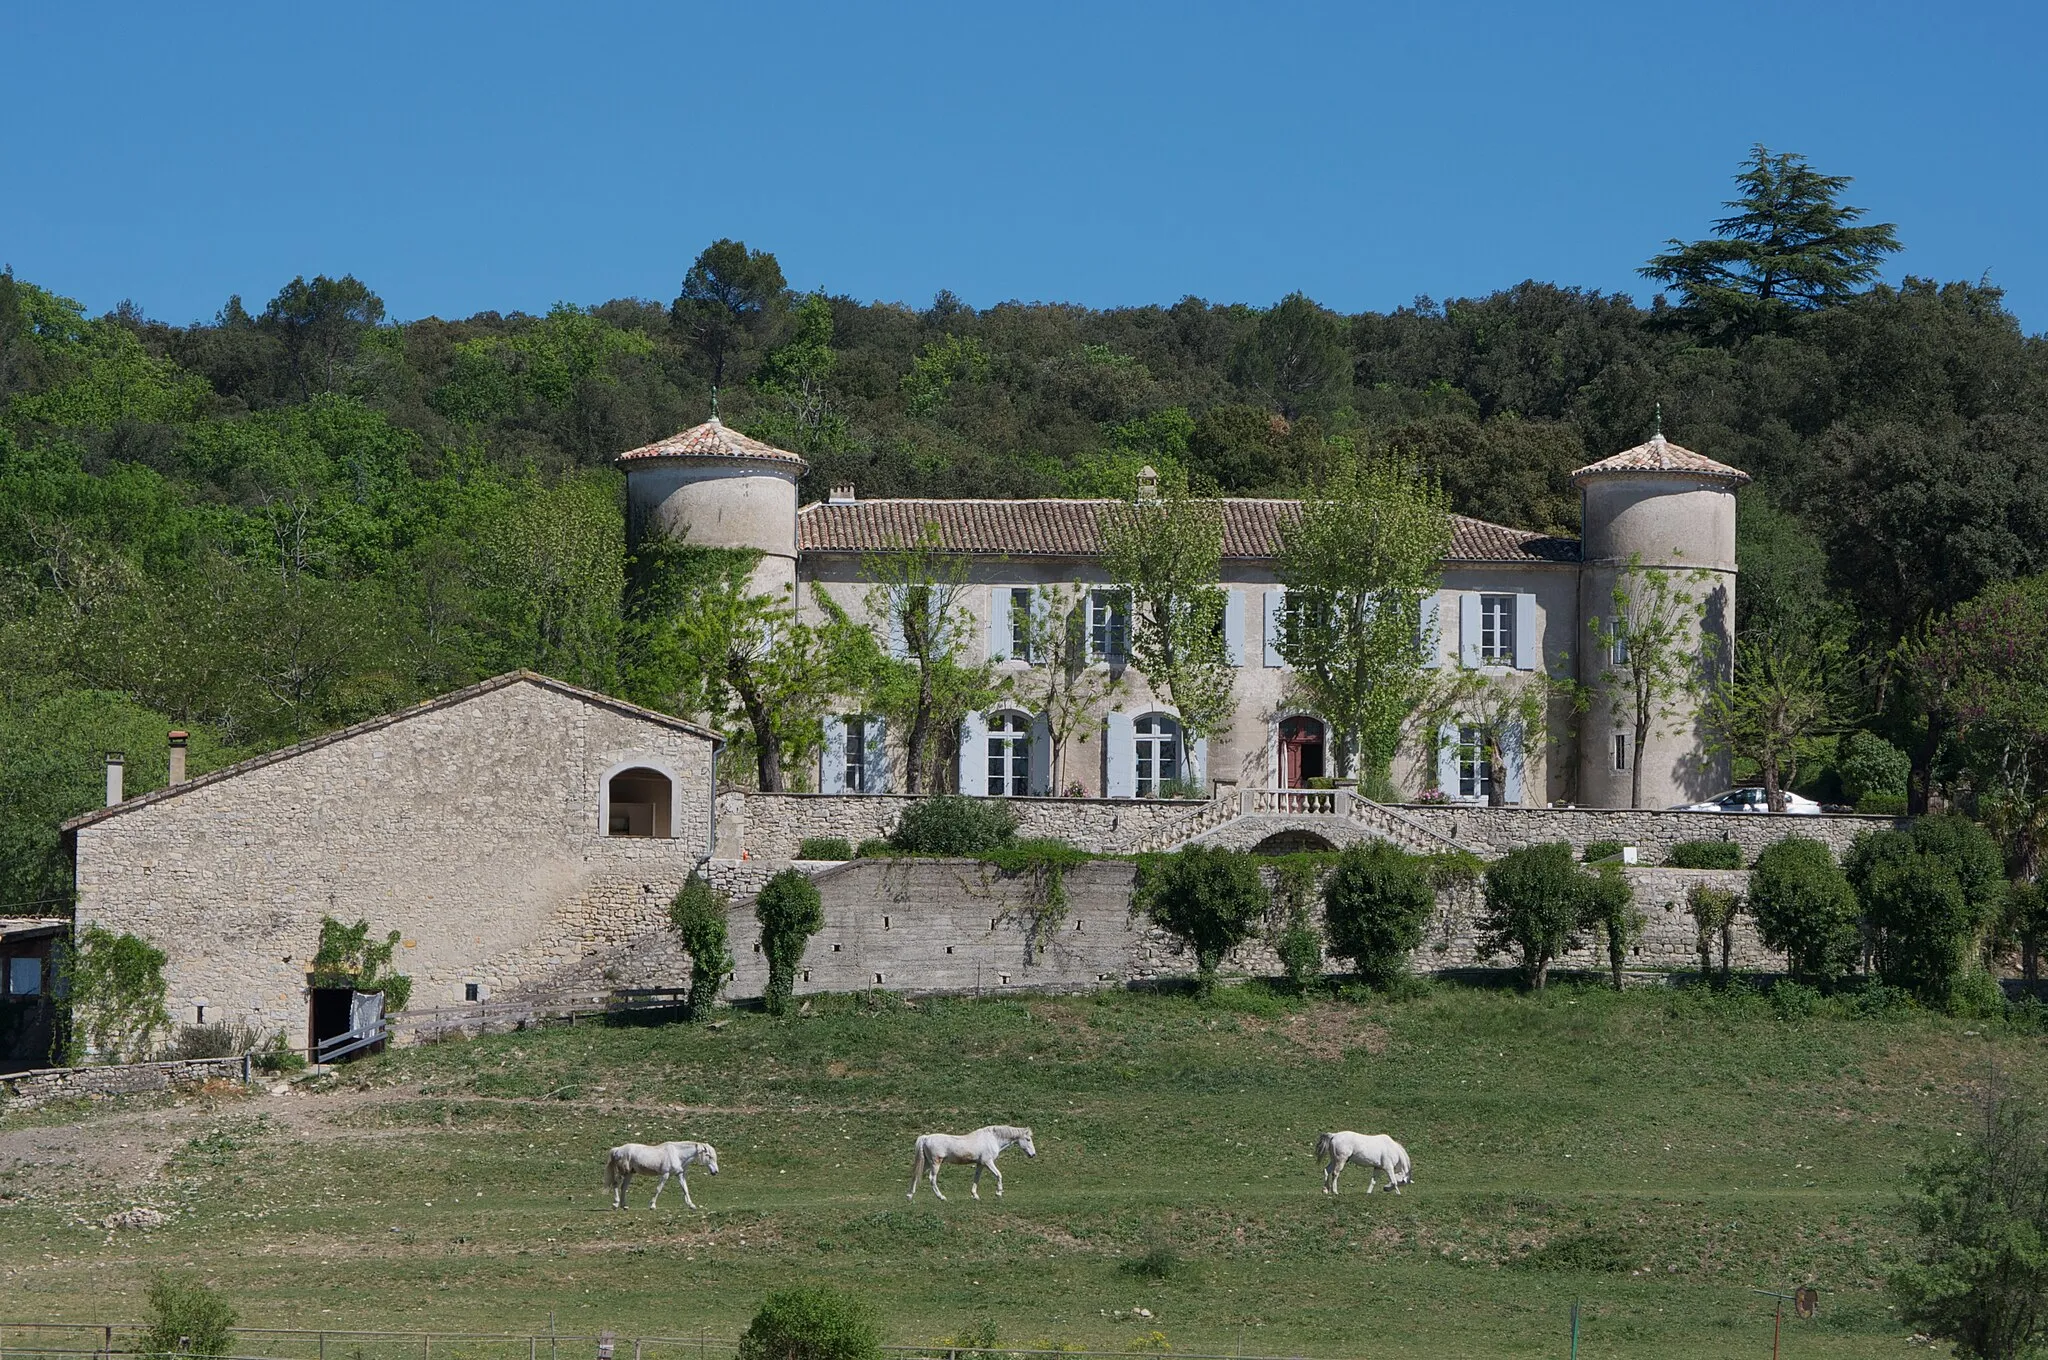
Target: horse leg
<point>916,1172</point>
<point>997,1172</point>
<point>659,1186</point>
<point>683,1179</point>
<point>975,1187</point>
<point>619,1190</point>
<point>1372,1176</point>
<point>936,1163</point>
<point>1330,1174</point>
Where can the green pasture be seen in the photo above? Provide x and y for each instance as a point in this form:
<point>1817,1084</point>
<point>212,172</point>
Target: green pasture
<point>1653,1156</point>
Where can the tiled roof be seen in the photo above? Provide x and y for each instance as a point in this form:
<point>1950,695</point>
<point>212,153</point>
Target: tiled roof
<point>1251,530</point>
<point>711,440</point>
<point>1661,455</point>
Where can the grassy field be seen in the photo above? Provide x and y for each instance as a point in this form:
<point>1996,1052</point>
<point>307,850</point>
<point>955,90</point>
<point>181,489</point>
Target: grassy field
<point>1652,1155</point>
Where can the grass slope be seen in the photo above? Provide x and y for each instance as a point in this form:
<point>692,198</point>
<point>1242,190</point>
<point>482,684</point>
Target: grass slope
<point>1653,1155</point>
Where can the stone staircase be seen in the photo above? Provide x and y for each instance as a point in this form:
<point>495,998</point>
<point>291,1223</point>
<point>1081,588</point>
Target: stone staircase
<point>1339,816</point>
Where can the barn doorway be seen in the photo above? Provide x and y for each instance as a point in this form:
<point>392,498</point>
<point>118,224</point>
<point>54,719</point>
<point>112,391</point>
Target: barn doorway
<point>639,802</point>
<point>1301,751</point>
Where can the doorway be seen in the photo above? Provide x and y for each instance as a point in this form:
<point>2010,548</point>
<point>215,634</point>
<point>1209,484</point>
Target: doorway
<point>1301,751</point>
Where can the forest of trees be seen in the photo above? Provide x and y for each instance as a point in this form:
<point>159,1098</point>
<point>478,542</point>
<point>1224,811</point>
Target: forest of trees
<point>301,514</point>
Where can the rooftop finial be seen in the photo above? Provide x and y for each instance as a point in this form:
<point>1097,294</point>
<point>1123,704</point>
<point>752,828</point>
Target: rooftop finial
<point>1656,432</point>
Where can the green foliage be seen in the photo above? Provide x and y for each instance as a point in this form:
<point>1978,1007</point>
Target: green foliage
<point>114,989</point>
<point>874,847</point>
<point>1979,1277</point>
<point>1165,553</point>
<point>1297,942</point>
<point>729,299</point>
<point>1376,902</point>
<point>1610,905</point>
<point>699,916</point>
<point>1713,917</point>
<point>1804,905</point>
<point>824,847</point>
<point>1656,652</point>
<point>1537,899</point>
<point>950,824</point>
<point>186,1317</point>
<point>1598,850</point>
<point>347,957</point>
<point>1704,855</point>
<point>1883,804</point>
<point>813,1324</point>
<point>1871,767</point>
<point>1209,898</point>
<point>1929,895</point>
<point>790,912</point>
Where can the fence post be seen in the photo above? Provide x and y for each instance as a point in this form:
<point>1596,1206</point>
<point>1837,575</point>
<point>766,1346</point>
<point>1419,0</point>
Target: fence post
<point>323,1346</point>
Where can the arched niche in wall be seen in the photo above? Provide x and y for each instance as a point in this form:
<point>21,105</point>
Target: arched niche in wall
<point>638,798</point>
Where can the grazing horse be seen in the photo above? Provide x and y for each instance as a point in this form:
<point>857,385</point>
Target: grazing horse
<point>1375,1150</point>
<point>659,1159</point>
<point>981,1147</point>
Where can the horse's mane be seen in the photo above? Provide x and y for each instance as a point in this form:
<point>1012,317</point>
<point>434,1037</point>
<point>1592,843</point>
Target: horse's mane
<point>1009,1130</point>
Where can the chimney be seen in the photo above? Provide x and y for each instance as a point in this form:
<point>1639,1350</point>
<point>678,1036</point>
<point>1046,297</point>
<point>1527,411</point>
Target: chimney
<point>842,494</point>
<point>1148,483</point>
<point>116,766</point>
<point>178,757</point>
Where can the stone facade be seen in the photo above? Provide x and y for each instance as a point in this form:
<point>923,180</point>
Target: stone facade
<point>1495,831</point>
<point>773,825</point>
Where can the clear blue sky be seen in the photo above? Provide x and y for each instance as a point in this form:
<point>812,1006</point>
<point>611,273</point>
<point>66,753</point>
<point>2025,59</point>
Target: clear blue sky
<point>504,156</point>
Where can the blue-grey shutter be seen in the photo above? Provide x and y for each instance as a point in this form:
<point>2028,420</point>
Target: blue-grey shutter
<point>878,756</point>
<point>1041,756</point>
<point>1447,759</point>
<point>1512,757</point>
<point>1429,632</point>
<point>974,755</point>
<point>1197,771</point>
<point>1468,629</point>
<point>1276,607</point>
<point>898,647</point>
<point>832,763</point>
<point>1119,756</point>
<point>1233,626</point>
<point>1526,650</point>
<point>999,623</point>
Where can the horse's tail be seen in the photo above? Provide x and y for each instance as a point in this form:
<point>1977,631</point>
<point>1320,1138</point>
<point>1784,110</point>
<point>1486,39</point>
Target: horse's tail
<point>917,1165</point>
<point>611,1170</point>
<point>1323,1143</point>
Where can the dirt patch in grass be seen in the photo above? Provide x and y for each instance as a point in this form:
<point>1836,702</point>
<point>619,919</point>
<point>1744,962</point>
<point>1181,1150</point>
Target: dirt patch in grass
<point>1324,1032</point>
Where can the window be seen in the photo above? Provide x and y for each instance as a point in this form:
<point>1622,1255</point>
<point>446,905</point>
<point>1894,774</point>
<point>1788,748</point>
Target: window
<point>1020,624</point>
<point>24,977</point>
<point>472,991</point>
<point>639,803</point>
<point>856,754</point>
<point>1621,750</point>
<point>1109,625</point>
<point>1497,630</point>
<point>1619,652</point>
<point>1009,755</point>
<point>1158,754</point>
<point>1475,776</point>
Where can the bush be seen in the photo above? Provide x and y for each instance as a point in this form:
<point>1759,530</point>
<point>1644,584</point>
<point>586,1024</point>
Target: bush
<point>790,912</point>
<point>277,1056</point>
<point>1704,855</point>
<point>1804,906</point>
<point>114,992</point>
<point>1209,898</point>
<point>1870,766</point>
<point>1297,942</point>
<point>346,958</point>
<point>699,915</point>
<point>1882,804</point>
<point>186,1316</point>
<point>813,1324</point>
<point>1610,905</point>
<point>1794,1000</point>
<point>1599,850</point>
<point>1376,903</point>
<point>221,1039</point>
<point>1535,901</point>
<point>874,847</point>
<point>1928,894</point>
<point>1976,995</point>
<point>1713,918</point>
<point>824,847</point>
<point>951,824</point>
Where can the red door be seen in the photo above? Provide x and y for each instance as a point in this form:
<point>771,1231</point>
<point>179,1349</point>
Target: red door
<point>1301,752</point>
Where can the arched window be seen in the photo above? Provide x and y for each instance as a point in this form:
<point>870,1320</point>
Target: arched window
<point>639,802</point>
<point>1301,749</point>
<point>1009,755</point>
<point>1158,754</point>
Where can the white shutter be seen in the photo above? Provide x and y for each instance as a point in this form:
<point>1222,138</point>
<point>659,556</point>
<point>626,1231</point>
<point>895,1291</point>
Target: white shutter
<point>1233,626</point>
<point>1429,632</point>
<point>1276,606</point>
<point>1468,629</point>
<point>1197,771</point>
<point>1526,650</point>
<point>832,763</point>
<point>1041,757</point>
<point>1119,756</point>
<point>1447,759</point>
<point>974,755</point>
<point>878,756</point>
<point>999,623</point>
<point>1513,759</point>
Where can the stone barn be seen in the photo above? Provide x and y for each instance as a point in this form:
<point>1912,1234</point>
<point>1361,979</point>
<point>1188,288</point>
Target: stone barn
<point>493,827</point>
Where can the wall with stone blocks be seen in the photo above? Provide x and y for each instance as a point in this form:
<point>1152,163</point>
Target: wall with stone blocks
<point>1495,831</point>
<point>772,825</point>
<point>26,1090</point>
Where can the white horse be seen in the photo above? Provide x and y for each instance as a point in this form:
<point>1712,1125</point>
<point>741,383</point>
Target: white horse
<point>1375,1150</point>
<point>658,1159</point>
<point>981,1147</point>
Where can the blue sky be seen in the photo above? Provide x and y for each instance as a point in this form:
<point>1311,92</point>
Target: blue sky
<point>505,156</point>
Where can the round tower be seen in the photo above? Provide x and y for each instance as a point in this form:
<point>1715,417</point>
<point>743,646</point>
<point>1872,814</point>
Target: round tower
<point>1668,509</point>
<point>715,488</point>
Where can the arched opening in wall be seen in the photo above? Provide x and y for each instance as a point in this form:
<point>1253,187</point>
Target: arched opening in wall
<point>639,802</point>
<point>1293,843</point>
<point>1301,751</point>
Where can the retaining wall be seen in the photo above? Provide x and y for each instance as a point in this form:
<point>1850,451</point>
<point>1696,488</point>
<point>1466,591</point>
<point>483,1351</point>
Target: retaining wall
<point>26,1090</point>
<point>1495,831</point>
<point>772,825</point>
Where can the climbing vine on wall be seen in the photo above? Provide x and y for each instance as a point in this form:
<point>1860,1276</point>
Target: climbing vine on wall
<point>114,993</point>
<point>347,958</point>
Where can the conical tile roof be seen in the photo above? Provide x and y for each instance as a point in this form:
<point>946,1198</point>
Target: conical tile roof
<point>711,440</point>
<point>1661,455</point>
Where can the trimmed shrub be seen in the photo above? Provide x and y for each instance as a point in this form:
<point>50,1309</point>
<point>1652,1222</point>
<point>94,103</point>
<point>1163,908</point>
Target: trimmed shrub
<point>1928,895</point>
<point>1599,850</point>
<point>1209,898</point>
<point>951,824</point>
<point>790,912</point>
<point>1297,942</point>
<point>186,1316</point>
<point>813,1324</point>
<point>1704,855</point>
<point>1376,902</point>
<point>1535,902</point>
<point>1713,918</point>
<point>874,847</point>
<point>1882,804</point>
<point>699,915</point>
<point>1610,905</point>
<point>824,847</point>
<point>1870,766</point>
<point>1804,906</point>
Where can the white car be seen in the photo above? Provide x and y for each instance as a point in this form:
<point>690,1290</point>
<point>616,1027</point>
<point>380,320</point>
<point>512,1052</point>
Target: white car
<point>1751,800</point>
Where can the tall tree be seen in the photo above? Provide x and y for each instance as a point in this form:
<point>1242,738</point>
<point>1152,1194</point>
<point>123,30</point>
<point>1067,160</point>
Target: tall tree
<point>1777,697</point>
<point>1295,356</point>
<point>1510,714</point>
<point>729,300</point>
<point>319,326</point>
<point>1165,552</point>
<point>1657,657</point>
<point>1790,247</point>
<point>924,687</point>
<point>1366,551</point>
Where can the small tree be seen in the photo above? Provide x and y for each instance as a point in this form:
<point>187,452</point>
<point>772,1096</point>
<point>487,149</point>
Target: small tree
<point>1868,764</point>
<point>813,1324</point>
<point>1803,905</point>
<point>347,958</point>
<point>1064,686</point>
<point>186,1317</point>
<point>1209,898</point>
<point>1777,698</point>
<point>1610,905</point>
<point>1510,714</point>
<point>1166,554</point>
<point>1296,941</point>
<point>1929,896</point>
<point>923,687</point>
<point>1713,918</point>
<point>698,916</point>
<point>1535,903</point>
<point>114,990</point>
<point>1980,1276</point>
<point>1376,901</point>
<point>790,912</point>
<point>1656,654</point>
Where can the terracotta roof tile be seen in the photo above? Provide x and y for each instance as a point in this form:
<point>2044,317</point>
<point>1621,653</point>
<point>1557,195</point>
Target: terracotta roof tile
<point>1661,455</point>
<point>711,440</point>
<point>1049,528</point>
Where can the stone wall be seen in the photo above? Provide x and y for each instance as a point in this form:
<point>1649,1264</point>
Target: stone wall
<point>1495,831</point>
<point>26,1090</point>
<point>772,825</point>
